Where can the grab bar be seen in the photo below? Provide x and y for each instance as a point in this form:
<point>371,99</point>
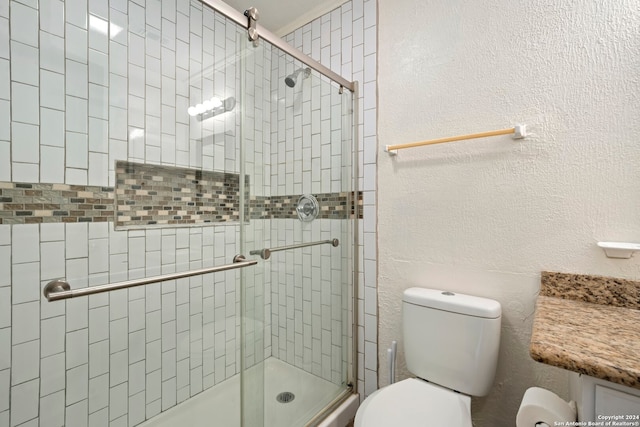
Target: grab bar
<point>60,289</point>
<point>266,253</point>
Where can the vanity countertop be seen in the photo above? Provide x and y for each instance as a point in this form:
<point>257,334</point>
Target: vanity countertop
<point>590,325</point>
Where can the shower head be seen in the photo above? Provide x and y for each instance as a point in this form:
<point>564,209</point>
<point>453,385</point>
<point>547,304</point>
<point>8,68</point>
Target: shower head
<point>291,79</point>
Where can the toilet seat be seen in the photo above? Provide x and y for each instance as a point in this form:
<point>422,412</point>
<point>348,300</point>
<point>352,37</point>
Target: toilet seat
<point>415,403</point>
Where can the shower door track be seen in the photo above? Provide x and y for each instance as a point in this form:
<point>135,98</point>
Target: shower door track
<point>331,406</point>
<point>243,21</point>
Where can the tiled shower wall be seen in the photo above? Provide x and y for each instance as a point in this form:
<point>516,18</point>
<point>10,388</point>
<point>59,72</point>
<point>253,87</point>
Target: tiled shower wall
<point>345,41</point>
<point>310,287</point>
<point>77,94</point>
<point>295,146</point>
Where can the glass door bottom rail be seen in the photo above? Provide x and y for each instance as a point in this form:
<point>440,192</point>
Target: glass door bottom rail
<point>219,406</point>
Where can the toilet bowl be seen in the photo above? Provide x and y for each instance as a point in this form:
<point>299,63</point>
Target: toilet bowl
<point>451,344</point>
<point>414,403</point>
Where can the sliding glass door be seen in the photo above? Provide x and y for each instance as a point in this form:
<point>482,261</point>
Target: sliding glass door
<point>296,139</point>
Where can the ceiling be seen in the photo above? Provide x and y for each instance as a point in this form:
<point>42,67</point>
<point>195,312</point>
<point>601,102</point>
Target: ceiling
<point>283,16</point>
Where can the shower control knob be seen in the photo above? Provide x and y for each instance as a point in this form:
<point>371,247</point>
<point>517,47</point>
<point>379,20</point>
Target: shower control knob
<point>307,208</point>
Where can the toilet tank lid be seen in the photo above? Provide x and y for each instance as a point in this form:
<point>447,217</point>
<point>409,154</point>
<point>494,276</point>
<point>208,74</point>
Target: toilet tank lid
<point>453,302</point>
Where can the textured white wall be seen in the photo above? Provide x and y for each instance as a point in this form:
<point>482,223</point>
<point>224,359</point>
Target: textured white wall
<point>486,216</point>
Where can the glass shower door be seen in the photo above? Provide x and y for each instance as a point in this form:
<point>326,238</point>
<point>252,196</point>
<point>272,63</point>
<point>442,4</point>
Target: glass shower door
<point>296,150</point>
<point>254,152</point>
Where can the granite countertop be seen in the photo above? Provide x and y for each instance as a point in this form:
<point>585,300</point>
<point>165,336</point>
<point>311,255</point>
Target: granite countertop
<point>590,325</point>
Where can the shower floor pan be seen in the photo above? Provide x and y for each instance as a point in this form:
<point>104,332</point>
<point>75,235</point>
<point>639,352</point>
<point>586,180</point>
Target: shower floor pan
<point>219,406</point>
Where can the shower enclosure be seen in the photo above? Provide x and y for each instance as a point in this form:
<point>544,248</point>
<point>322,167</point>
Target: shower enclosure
<point>297,336</point>
<point>143,145</point>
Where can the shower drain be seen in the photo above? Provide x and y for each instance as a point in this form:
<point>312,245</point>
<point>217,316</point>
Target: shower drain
<point>285,397</point>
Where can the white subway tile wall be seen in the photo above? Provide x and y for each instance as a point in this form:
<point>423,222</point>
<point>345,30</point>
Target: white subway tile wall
<point>83,84</point>
<point>345,41</point>
<point>309,287</point>
<point>305,297</point>
<point>113,81</point>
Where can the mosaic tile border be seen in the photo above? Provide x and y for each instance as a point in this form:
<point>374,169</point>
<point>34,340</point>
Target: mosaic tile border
<point>332,206</point>
<point>166,195</point>
<point>29,203</point>
<point>24,203</point>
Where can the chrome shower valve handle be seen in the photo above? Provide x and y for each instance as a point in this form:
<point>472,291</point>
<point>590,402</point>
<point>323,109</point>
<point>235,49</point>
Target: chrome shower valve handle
<point>307,208</point>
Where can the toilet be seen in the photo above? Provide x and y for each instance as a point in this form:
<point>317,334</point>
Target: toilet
<point>451,344</point>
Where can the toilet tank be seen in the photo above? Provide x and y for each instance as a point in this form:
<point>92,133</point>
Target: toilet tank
<point>451,339</point>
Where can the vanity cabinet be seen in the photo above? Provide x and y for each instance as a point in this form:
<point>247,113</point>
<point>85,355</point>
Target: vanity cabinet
<point>597,400</point>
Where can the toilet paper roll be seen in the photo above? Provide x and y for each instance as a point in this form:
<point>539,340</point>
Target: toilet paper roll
<point>540,406</point>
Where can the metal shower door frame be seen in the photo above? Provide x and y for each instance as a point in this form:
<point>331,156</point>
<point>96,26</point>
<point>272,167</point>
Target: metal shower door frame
<point>251,24</point>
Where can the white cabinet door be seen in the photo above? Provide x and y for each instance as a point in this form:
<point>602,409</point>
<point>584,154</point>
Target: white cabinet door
<point>613,402</point>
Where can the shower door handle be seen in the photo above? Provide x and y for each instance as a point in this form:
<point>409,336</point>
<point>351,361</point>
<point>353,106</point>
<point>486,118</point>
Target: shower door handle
<point>60,289</point>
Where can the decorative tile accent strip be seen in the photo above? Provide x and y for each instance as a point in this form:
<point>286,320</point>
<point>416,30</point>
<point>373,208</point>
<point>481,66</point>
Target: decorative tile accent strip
<point>24,203</point>
<point>594,289</point>
<point>332,206</point>
<point>152,194</point>
<point>163,196</point>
